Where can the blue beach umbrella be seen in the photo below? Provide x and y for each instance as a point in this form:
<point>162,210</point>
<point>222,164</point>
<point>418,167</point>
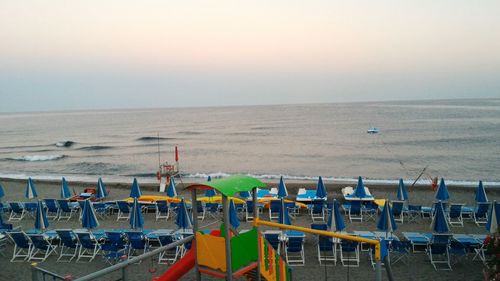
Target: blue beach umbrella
<point>442,192</point>
<point>30,189</point>
<point>439,222</point>
<point>209,178</point>
<point>233,216</point>
<point>183,219</point>
<point>136,218</point>
<point>402,193</point>
<point>210,192</point>
<point>101,190</point>
<point>282,192</point>
<point>386,220</point>
<point>481,193</point>
<point>492,224</point>
<point>65,192</point>
<point>171,191</point>
<point>359,192</point>
<point>335,220</point>
<point>284,217</point>
<point>2,192</point>
<point>41,221</point>
<point>135,191</point>
<point>320,189</point>
<point>89,218</point>
<point>245,194</point>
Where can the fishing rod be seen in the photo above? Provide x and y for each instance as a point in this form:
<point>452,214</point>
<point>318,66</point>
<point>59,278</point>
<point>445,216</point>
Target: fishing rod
<point>421,173</point>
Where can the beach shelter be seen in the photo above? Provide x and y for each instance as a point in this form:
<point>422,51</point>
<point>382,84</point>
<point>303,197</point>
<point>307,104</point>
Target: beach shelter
<point>359,192</point>
<point>492,224</point>
<point>386,220</point>
<point>101,190</point>
<point>171,191</point>
<point>30,189</point>
<point>402,193</point>
<point>481,193</point>
<point>65,191</point>
<point>233,216</point>
<point>282,192</point>
<point>439,222</point>
<point>41,221</point>
<point>284,217</point>
<point>320,189</point>
<point>136,218</point>
<point>2,192</point>
<point>135,191</point>
<point>335,220</point>
<point>89,218</point>
<point>442,192</point>
<point>183,219</point>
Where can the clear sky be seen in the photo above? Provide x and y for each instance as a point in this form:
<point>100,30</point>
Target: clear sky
<point>92,54</point>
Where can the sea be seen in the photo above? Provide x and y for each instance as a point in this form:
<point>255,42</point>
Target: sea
<point>458,140</point>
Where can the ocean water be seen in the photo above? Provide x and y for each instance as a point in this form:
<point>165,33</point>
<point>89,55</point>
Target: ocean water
<point>455,139</point>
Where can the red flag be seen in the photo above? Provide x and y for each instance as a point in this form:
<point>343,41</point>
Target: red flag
<point>176,154</point>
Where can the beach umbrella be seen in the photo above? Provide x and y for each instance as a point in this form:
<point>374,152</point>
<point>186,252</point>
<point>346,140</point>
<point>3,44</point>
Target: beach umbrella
<point>386,220</point>
<point>101,190</point>
<point>245,194</point>
<point>360,189</point>
<point>442,192</point>
<point>65,192</point>
<point>135,191</point>
<point>30,189</point>
<point>89,218</point>
<point>439,222</point>
<point>183,219</point>
<point>402,193</point>
<point>2,192</point>
<point>136,219</point>
<point>233,216</point>
<point>171,191</point>
<point>335,220</point>
<point>481,193</point>
<point>209,178</point>
<point>492,224</point>
<point>41,221</point>
<point>282,192</point>
<point>320,189</point>
<point>284,217</point>
<point>210,192</point>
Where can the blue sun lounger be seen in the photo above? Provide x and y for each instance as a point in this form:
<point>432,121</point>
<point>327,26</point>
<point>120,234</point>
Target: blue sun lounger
<point>417,240</point>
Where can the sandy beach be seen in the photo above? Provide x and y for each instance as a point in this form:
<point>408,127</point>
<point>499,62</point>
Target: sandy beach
<point>418,269</point>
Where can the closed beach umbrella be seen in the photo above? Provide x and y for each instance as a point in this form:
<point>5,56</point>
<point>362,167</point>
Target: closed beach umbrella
<point>41,221</point>
<point>136,218</point>
<point>282,192</point>
<point>481,193</point>
<point>135,191</point>
<point>284,217</point>
<point>233,216</point>
<point>101,190</point>
<point>492,224</point>
<point>30,190</point>
<point>402,193</point>
<point>320,189</point>
<point>245,194</point>
<point>335,220</point>
<point>210,192</point>
<point>89,218</point>
<point>439,222</point>
<point>171,191</point>
<point>183,219</point>
<point>65,192</point>
<point>209,178</point>
<point>386,220</point>
<point>360,189</point>
<point>442,192</point>
<point>2,192</point>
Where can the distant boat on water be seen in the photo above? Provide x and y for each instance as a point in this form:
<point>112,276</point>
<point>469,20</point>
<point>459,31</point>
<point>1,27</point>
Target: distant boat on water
<point>373,130</point>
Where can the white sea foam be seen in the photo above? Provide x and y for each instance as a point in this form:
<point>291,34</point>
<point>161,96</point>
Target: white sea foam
<point>35,158</point>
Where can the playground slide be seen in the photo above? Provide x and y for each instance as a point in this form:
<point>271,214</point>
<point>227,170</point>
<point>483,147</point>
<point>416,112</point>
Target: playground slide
<point>178,269</point>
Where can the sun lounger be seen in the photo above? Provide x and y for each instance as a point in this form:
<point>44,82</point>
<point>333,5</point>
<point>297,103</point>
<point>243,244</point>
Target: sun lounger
<point>417,240</point>
<point>66,211</point>
<point>307,195</point>
<point>397,210</point>
<point>23,246</point>
<point>162,210</point>
<point>123,210</point>
<point>327,250</point>
<point>481,213</point>
<point>137,243</point>
<point>348,191</point>
<point>68,244</point>
<point>42,247</point>
<point>168,256</point>
<point>455,215</point>
<point>294,250</point>
<point>52,208</point>
<point>349,253</point>
<point>438,251</point>
<point>318,210</point>
<point>89,246</point>
<point>17,211</point>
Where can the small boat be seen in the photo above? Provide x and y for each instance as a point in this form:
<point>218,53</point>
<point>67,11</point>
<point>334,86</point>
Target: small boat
<point>372,130</point>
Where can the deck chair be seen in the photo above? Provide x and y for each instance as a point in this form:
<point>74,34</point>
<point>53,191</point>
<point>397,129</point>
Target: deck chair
<point>17,211</point>
<point>274,209</point>
<point>438,251</point>
<point>123,210</point>
<point>81,205</point>
<point>400,251</point>
<point>65,211</point>
<point>89,246</point>
<point>213,210</point>
<point>414,213</point>
<point>42,247</point>
<point>458,251</point>
<point>294,250</point>
<point>52,208</point>
<point>200,207</point>
<point>293,209</point>
<point>162,210</point>
<point>114,247</point>
<point>397,210</point>
<point>273,238</point>
<point>68,244</point>
<point>354,211</point>
<point>22,245</point>
<point>349,253</point>
<point>370,210</point>
<point>327,250</point>
<point>171,255</point>
<point>249,210</point>
<point>481,213</point>
<point>137,242</point>
<point>455,215</point>
<point>318,210</point>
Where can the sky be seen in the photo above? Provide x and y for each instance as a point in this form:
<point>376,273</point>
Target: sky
<point>69,55</point>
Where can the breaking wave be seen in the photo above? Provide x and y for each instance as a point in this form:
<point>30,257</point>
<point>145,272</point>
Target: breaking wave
<point>36,158</point>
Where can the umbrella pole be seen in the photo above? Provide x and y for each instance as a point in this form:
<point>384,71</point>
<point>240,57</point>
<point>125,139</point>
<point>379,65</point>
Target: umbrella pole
<point>378,271</point>
<point>195,230</point>
<point>255,217</point>
<point>227,235</point>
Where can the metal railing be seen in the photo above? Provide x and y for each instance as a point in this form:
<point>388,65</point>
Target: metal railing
<point>37,272</point>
